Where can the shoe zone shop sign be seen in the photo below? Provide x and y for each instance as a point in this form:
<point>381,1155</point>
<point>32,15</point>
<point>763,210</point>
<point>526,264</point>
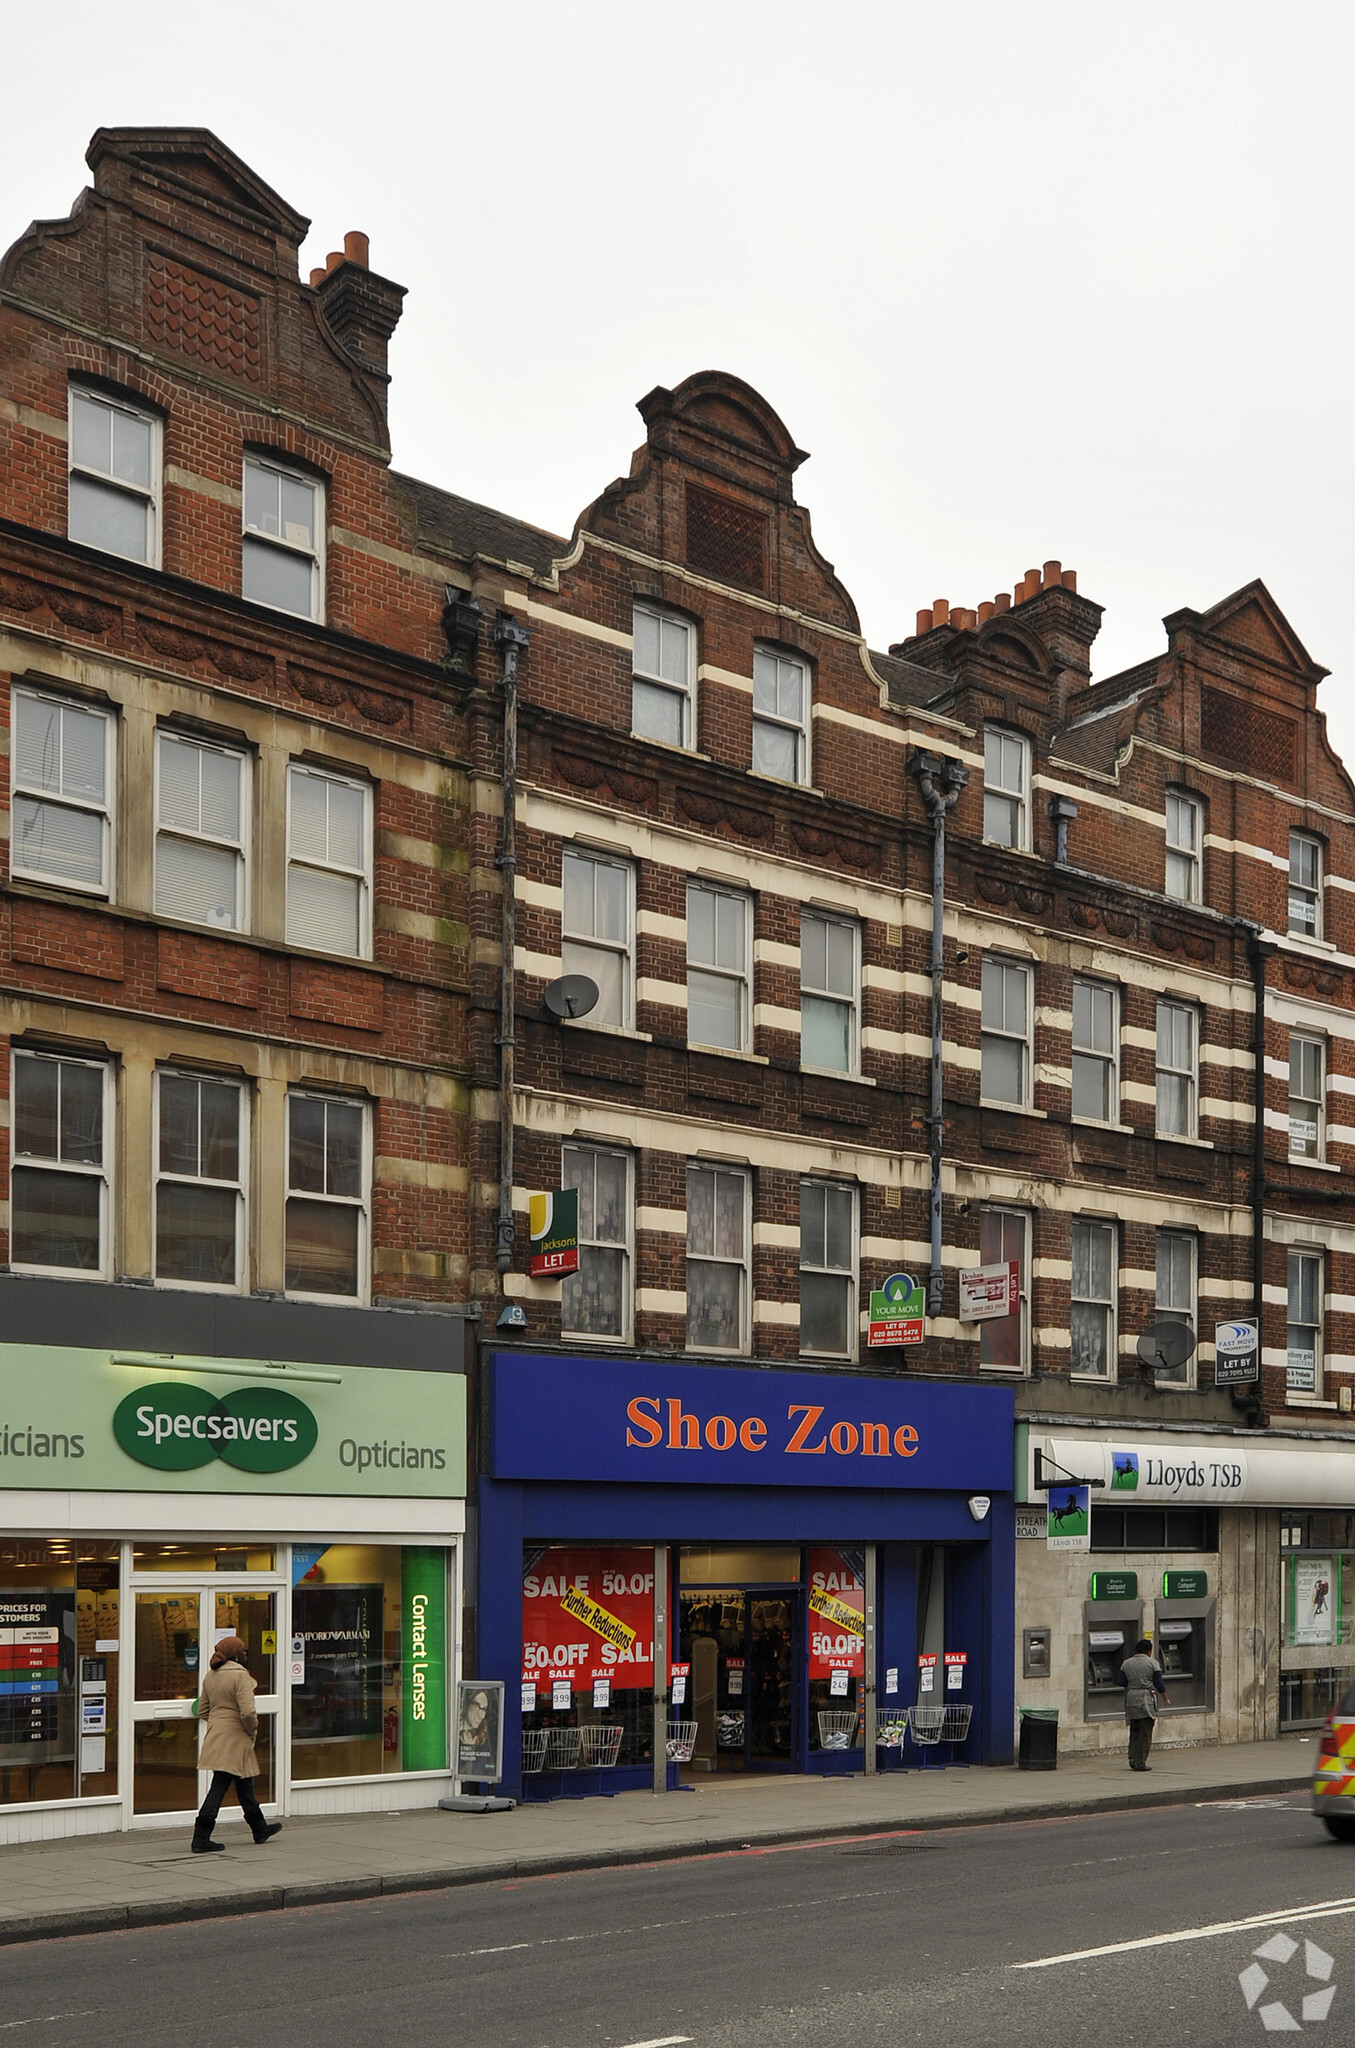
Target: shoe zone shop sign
<point>77,1419</point>
<point>610,1419</point>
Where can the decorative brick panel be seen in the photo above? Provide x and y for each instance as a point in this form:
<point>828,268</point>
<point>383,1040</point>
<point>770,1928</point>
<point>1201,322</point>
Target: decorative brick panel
<point>199,317</point>
<point>49,935</point>
<point>218,972</point>
<point>726,539</point>
<point>1231,729</point>
<point>337,995</point>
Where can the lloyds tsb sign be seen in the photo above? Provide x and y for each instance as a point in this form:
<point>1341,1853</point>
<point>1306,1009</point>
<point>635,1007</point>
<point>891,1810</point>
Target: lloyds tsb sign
<point>175,1427</point>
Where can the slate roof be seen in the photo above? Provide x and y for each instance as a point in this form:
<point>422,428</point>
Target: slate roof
<point>458,526</point>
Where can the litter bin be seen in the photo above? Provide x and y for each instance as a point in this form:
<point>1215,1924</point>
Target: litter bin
<point>1039,1745</point>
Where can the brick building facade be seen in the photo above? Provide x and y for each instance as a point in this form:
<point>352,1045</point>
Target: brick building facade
<point>261,821</point>
<point>234,959</point>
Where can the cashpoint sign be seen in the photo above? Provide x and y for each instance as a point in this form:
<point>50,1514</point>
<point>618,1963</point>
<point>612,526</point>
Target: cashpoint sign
<point>1185,1585</point>
<point>1115,1586</point>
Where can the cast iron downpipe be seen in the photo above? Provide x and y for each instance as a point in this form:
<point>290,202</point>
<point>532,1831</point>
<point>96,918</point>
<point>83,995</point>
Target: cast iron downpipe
<point>1258,952</point>
<point>510,637</point>
<point>939,779</point>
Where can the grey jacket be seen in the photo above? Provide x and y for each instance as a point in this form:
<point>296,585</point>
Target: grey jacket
<point>1141,1676</point>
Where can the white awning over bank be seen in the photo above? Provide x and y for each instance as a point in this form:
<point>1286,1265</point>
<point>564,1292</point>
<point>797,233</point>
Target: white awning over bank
<point>1217,1470</point>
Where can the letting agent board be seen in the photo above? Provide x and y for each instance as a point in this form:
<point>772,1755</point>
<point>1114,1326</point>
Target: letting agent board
<point>896,1312</point>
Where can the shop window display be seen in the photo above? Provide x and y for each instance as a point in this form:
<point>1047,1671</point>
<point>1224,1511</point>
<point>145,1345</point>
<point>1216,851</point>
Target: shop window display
<point>372,1622</point>
<point>58,1670</point>
<point>588,1643</point>
<point>1317,1657</point>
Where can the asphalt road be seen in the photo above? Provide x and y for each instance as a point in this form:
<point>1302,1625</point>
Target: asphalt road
<point>923,1937</point>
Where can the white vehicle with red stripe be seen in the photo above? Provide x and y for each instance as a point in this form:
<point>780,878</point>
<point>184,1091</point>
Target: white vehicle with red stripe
<point>1334,1779</point>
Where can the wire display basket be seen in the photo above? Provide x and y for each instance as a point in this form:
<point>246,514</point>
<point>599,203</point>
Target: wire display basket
<point>600,1746</point>
<point>562,1749</point>
<point>837,1730</point>
<point>533,1750</point>
<point>890,1730</point>
<point>681,1741</point>
<point>729,1731</point>
<point>926,1723</point>
<point>955,1727</point>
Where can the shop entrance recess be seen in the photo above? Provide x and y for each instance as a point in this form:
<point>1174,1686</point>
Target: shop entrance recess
<point>176,1630</point>
<point>743,1646</point>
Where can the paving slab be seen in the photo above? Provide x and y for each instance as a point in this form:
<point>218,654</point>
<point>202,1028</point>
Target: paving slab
<point>146,1877</point>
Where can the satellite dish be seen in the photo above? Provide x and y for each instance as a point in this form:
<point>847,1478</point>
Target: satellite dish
<point>1166,1346</point>
<point>573,995</point>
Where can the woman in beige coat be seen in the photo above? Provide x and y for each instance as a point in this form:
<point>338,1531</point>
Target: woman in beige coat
<point>226,1711</point>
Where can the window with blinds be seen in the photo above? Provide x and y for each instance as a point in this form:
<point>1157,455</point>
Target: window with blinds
<point>329,862</point>
<point>201,800</point>
<point>61,792</point>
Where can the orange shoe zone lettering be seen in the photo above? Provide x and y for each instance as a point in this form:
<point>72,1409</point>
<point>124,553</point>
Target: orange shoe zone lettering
<point>653,1422</point>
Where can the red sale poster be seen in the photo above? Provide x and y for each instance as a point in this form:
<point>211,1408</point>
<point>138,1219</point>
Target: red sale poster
<point>589,1613</point>
<point>837,1617</point>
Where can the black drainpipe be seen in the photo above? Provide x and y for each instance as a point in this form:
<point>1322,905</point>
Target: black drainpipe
<point>939,779</point>
<point>1259,951</point>
<point>510,637</point>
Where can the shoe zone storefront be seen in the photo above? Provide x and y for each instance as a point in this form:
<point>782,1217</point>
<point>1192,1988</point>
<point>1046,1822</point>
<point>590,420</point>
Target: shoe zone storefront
<point>689,1569</point>
<point>155,1500</point>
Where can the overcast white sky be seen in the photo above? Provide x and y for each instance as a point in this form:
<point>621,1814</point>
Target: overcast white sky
<point>1053,280</point>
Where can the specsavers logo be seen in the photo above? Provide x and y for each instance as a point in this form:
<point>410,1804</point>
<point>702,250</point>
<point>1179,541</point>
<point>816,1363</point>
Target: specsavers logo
<point>176,1427</point>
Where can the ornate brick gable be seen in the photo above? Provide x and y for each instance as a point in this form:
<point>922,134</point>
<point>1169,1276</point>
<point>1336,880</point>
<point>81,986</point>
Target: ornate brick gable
<point>202,318</point>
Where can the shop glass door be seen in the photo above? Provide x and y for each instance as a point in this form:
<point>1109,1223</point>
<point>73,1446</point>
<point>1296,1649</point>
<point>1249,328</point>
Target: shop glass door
<point>175,1631</point>
<point>742,1646</point>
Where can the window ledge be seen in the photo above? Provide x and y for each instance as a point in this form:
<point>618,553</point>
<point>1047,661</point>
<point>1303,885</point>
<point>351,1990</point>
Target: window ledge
<point>1014,1108</point>
<point>779,782</point>
<point>724,1052</point>
<point>1174,1386</point>
<point>1296,1400</point>
<point>1174,1138</point>
<point>1307,944</point>
<point>1316,1165</point>
<point>1094,1123</point>
<point>1005,1372</point>
<point>836,1074</point>
<point>1093,1379</point>
<point>1021,852</point>
<point>684,753</point>
<point>607,1030</point>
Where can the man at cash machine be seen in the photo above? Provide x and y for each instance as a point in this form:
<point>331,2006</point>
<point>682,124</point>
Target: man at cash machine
<point>1141,1677</point>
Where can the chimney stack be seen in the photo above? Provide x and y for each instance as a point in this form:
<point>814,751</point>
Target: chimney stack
<point>361,309</point>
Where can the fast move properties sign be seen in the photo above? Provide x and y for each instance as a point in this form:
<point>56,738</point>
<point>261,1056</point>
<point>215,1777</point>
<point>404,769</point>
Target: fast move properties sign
<point>80,1419</point>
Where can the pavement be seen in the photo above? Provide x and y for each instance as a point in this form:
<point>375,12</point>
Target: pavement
<point>147,1877</point>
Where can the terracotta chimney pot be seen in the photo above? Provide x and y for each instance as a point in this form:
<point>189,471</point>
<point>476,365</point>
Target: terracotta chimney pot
<point>333,260</point>
<point>1003,601</point>
<point>1053,574</point>
<point>1070,579</point>
<point>357,248</point>
<point>316,276</point>
<point>924,622</point>
<point>986,610</point>
<point>940,612</point>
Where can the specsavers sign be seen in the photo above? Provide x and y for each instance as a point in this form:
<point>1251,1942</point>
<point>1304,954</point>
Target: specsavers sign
<point>94,1419</point>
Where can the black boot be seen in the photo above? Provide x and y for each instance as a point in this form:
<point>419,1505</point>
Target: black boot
<point>202,1838</point>
<point>265,1833</point>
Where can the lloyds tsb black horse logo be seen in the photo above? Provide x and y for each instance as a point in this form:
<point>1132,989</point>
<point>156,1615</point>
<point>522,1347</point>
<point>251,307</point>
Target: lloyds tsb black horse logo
<point>1126,1468</point>
<point>1071,1508</point>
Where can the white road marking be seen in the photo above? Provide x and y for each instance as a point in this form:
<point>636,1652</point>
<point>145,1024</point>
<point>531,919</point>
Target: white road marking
<point>656,1926</point>
<point>661,2041</point>
<point>1326,1909</point>
<point>506,1948</point>
<point>45,2019</point>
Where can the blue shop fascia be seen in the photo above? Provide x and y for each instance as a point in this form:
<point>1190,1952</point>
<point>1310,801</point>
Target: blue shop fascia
<point>808,1554</point>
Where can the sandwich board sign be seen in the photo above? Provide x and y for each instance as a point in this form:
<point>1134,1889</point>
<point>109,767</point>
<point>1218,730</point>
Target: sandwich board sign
<point>896,1312</point>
